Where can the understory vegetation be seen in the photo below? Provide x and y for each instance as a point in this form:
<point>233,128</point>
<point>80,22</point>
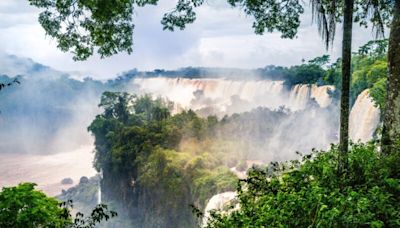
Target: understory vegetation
<point>309,193</point>
<point>23,206</point>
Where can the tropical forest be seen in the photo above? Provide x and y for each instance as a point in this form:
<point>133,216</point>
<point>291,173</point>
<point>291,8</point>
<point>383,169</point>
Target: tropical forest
<point>193,113</point>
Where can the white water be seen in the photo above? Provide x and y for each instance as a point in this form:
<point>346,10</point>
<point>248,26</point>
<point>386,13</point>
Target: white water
<point>99,190</point>
<point>301,95</point>
<point>99,195</point>
<point>218,202</point>
<point>230,96</point>
<point>364,118</point>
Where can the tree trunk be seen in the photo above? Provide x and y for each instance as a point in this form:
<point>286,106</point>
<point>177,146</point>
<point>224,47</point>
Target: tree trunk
<point>391,121</point>
<point>345,98</point>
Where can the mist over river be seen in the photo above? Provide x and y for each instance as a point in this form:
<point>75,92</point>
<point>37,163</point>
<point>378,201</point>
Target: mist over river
<point>71,152</point>
<point>47,171</point>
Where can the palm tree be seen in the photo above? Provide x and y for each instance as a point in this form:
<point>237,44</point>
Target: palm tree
<point>326,16</point>
<point>346,74</point>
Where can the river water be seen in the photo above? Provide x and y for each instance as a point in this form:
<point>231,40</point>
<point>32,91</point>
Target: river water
<point>47,171</point>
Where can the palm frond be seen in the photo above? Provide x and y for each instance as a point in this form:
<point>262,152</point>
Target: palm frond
<point>375,9</point>
<point>324,14</point>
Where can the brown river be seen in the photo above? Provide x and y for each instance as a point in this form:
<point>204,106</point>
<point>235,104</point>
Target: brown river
<point>47,171</point>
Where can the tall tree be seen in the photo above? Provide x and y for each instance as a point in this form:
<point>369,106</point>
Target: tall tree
<point>391,122</point>
<point>327,14</point>
<point>346,73</point>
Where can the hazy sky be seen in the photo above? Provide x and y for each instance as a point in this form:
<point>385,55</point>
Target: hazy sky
<point>220,37</point>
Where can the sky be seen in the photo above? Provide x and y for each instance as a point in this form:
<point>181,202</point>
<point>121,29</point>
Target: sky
<point>221,37</point>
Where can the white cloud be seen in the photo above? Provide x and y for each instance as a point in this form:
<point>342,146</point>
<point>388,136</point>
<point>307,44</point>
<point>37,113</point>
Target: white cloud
<point>221,36</point>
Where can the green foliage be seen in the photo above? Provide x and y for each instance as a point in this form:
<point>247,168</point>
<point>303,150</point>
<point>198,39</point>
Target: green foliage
<point>147,156</point>
<point>377,12</point>
<point>315,71</point>
<point>23,207</point>
<point>209,182</point>
<point>369,71</point>
<point>374,48</point>
<point>369,74</point>
<point>307,193</point>
<point>183,14</point>
<point>378,92</point>
<point>80,26</point>
<point>320,61</point>
<point>269,16</point>
<point>306,73</point>
<point>147,160</point>
<point>282,16</point>
<point>327,13</point>
<point>166,172</point>
<point>116,105</point>
<point>99,214</point>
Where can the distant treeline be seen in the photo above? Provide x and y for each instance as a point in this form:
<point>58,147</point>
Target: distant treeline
<point>305,73</point>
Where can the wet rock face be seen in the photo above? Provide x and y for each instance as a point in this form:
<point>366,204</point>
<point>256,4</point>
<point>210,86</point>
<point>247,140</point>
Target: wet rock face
<point>67,181</point>
<point>83,195</point>
<point>84,180</point>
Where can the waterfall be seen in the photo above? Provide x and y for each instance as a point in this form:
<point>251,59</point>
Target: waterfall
<point>217,202</point>
<point>321,94</point>
<point>364,118</point>
<point>301,94</point>
<point>230,96</point>
<point>99,195</point>
<point>99,188</point>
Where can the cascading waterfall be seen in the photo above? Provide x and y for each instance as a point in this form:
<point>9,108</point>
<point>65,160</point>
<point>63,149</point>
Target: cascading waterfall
<point>364,118</point>
<point>217,202</point>
<point>230,96</point>
<point>99,188</point>
<point>99,195</point>
<point>301,94</point>
<point>321,94</point>
<point>181,90</point>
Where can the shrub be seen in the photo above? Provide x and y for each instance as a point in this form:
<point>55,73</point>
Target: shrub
<point>309,193</point>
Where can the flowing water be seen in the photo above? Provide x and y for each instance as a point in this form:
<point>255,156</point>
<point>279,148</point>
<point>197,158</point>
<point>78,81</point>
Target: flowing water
<point>47,170</point>
<point>218,202</point>
<point>230,96</point>
<point>364,118</point>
